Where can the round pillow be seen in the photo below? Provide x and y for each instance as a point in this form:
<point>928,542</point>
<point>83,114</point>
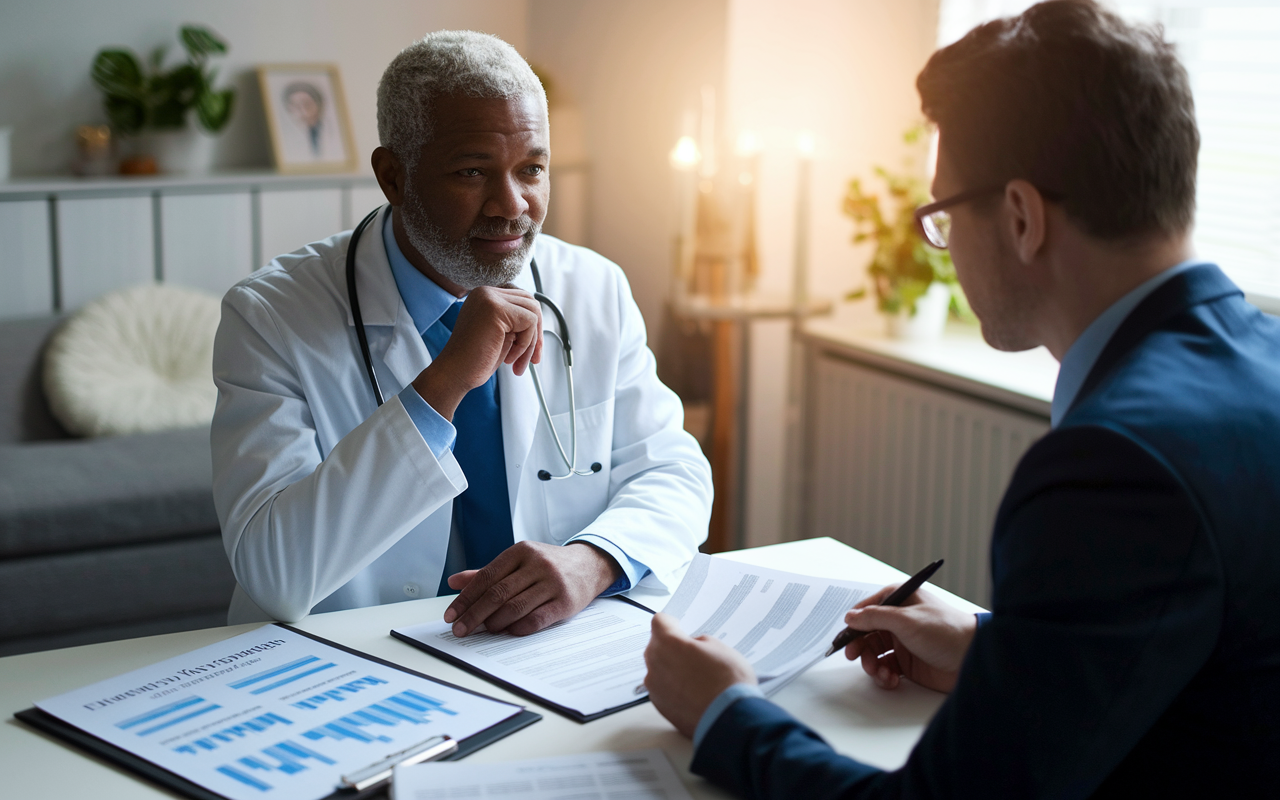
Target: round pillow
<point>134,361</point>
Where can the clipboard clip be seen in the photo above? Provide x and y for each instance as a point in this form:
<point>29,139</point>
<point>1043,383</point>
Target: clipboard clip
<point>432,749</point>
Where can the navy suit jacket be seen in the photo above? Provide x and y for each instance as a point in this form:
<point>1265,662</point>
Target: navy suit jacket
<point>1134,644</point>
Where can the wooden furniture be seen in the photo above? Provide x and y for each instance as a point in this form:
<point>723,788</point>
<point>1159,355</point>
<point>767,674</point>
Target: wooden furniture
<point>836,697</point>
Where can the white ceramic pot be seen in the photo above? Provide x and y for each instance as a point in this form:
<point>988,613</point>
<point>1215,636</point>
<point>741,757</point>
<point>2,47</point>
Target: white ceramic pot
<point>927,323</point>
<point>184,152</point>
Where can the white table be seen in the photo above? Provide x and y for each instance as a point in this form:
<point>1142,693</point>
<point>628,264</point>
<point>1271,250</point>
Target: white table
<point>836,698</point>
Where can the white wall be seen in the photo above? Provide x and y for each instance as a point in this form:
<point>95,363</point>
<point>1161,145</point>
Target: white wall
<point>632,67</point>
<point>46,50</point>
<point>844,70</point>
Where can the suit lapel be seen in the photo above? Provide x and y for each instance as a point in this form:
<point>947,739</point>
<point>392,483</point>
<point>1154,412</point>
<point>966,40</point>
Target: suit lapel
<point>1197,285</point>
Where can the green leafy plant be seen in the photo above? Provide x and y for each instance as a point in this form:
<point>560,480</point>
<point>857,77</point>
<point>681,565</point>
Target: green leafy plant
<point>903,266</point>
<point>138,98</point>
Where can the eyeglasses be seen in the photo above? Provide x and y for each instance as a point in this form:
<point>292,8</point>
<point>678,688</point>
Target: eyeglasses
<point>933,222</point>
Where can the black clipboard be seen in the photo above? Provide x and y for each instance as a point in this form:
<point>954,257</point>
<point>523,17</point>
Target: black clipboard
<point>117,756</point>
<point>573,714</point>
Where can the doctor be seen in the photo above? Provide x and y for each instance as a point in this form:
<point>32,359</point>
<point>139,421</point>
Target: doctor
<point>329,500</point>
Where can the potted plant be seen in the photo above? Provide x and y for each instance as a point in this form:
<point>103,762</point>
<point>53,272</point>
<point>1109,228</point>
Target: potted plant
<point>915,284</point>
<point>152,103</point>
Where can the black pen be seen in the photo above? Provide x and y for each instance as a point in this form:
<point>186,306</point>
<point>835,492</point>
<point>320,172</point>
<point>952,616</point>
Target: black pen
<point>896,599</point>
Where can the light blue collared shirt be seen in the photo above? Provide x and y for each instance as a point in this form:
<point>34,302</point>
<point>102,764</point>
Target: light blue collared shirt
<point>1084,352</point>
<point>427,302</point>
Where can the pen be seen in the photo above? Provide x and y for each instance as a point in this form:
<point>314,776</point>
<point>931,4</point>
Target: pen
<point>844,637</point>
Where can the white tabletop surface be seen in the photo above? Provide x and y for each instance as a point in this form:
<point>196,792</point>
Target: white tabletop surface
<point>836,698</point>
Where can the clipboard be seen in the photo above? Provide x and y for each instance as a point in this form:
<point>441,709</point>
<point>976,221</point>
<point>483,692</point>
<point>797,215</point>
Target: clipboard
<point>116,756</point>
<point>573,714</point>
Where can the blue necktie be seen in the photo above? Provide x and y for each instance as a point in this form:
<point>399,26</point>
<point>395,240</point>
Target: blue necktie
<point>483,511</point>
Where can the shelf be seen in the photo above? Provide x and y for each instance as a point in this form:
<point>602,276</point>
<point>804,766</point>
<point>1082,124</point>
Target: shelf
<point>960,360</point>
<point>65,185</point>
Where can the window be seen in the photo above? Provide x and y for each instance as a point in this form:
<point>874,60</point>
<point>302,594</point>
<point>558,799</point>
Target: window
<point>1232,53</point>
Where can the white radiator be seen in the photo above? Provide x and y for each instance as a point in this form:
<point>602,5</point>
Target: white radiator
<point>909,473</point>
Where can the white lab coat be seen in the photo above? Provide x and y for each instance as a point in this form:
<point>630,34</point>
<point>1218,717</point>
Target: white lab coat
<point>328,502</point>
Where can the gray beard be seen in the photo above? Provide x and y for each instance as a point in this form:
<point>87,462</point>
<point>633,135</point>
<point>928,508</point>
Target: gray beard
<point>456,260</point>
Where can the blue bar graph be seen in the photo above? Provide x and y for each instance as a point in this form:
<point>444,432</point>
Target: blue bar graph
<point>406,707</point>
<point>338,693</point>
<point>168,715</point>
<point>233,733</point>
<point>288,758</point>
<point>287,673</point>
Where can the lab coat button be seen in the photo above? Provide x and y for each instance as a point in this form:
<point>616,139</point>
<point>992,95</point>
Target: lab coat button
<point>411,589</point>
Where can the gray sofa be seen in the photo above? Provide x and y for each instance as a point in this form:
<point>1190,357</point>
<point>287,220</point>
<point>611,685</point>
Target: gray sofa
<point>100,539</point>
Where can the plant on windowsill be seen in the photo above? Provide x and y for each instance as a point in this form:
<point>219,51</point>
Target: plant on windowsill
<point>915,284</point>
<point>151,103</point>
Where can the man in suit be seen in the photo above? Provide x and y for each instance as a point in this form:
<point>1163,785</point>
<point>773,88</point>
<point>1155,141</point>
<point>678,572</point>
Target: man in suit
<point>1133,648</point>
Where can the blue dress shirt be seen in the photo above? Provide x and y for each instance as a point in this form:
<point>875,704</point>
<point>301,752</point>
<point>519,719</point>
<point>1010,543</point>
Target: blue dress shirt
<point>427,302</point>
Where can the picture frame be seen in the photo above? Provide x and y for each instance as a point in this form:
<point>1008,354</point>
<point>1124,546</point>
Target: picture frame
<point>307,117</point>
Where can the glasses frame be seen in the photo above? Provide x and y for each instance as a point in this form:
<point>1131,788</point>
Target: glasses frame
<point>924,212</point>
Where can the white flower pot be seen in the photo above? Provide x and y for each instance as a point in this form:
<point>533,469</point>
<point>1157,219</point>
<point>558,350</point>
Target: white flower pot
<point>928,322</point>
<point>182,152</point>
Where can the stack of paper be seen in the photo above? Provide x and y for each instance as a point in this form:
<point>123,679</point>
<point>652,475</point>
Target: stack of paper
<point>642,775</point>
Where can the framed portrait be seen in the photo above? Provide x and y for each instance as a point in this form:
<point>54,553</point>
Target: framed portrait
<point>307,117</point>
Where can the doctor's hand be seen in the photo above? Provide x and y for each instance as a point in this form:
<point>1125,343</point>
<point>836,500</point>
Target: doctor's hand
<point>924,640</point>
<point>529,586</point>
<point>495,326</point>
<point>686,675</point>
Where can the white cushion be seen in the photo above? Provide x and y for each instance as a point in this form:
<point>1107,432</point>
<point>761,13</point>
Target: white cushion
<point>134,361</point>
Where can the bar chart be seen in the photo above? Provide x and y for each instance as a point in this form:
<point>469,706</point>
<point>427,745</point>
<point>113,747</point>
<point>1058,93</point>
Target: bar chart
<point>288,758</point>
<point>282,675</point>
<point>367,724</point>
<point>168,715</point>
<point>233,733</point>
<point>338,693</point>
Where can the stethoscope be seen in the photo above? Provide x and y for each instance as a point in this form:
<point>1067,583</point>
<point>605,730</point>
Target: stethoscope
<point>563,337</point>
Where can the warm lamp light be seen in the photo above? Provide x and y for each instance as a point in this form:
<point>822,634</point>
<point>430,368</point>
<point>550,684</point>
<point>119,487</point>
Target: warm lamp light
<point>805,144</point>
<point>748,144</point>
<point>685,155</point>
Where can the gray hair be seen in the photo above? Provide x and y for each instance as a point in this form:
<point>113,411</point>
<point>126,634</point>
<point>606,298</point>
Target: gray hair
<point>456,63</point>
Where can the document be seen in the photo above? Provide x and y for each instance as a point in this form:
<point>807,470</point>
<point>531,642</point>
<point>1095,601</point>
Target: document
<point>641,775</point>
<point>782,622</point>
<point>593,663</point>
<point>272,713</point>
<point>588,665</point>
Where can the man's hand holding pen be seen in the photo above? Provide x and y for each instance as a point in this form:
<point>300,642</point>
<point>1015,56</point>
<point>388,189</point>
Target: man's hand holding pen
<point>924,639</point>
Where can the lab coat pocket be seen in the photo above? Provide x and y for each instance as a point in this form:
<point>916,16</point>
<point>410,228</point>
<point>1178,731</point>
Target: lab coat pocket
<point>573,503</point>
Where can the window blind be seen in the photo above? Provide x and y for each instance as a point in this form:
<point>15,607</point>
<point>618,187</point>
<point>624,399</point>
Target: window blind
<point>1232,53</point>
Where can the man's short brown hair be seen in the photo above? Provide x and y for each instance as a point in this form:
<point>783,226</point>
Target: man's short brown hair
<point>1083,105</point>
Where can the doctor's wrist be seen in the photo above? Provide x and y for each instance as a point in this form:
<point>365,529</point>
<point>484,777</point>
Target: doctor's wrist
<point>440,389</point>
<point>608,571</point>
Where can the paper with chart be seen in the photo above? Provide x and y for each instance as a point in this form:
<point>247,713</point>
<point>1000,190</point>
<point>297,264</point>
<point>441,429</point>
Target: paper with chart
<point>589,663</point>
<point>782,622</point>
<point>271,713</point>
<point>640,775</point>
